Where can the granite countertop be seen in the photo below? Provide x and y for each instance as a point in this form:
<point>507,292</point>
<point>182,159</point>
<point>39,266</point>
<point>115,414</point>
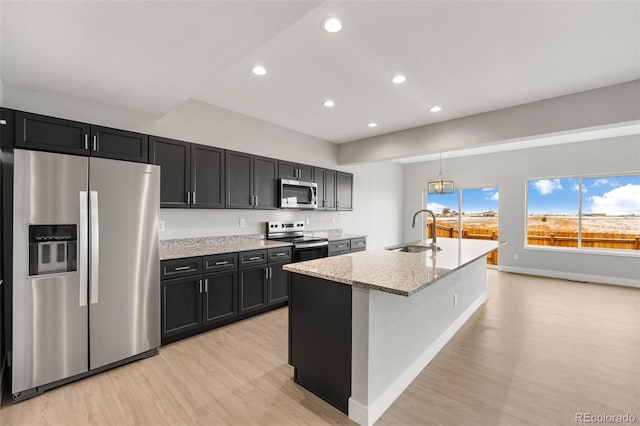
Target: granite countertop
<point>333,235</point>
<point>394,271</point>
<point>190,247</point>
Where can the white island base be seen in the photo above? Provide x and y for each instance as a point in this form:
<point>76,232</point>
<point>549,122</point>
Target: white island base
<point>394,338</point>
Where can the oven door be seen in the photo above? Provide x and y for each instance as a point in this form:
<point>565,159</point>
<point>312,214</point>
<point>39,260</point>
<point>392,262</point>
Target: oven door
<point>310,251</point>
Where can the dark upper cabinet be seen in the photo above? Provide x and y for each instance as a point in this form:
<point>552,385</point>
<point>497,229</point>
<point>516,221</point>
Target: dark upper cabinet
<point>326,180</point>
<point>294,171</point>
<point>7,121</point>
<point>207,177</point>
<point>344,191</point>
<point>251,181</point>
<point>174,159</point>
<point>220,296</point>
<point>181,309</point>
<point>191,175</point>
<point>119,144</point>
<point>39,132</point>
<point>239,180</point>
<point>265,182</point>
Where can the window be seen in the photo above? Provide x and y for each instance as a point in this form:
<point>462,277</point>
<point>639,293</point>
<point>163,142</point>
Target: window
<point>584,212</point>
<point>474,211</point>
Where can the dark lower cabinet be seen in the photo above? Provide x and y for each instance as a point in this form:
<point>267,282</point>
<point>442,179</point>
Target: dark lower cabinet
<point>181,308</point>
<point>253,288</point>
<point>279,282</point>
<point>220,296</point>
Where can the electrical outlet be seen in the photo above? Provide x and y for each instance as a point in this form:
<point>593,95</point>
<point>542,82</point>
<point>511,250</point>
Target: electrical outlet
<point>455,300</point>
<point>242,222</point>
<point>308,221</point>
<point>161,225</point>
<point>333,220</point>
<point>515,256</point>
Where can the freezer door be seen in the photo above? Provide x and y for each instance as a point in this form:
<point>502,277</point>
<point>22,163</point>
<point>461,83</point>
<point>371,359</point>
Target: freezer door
<point>124,289</point>
<point>50,315</point>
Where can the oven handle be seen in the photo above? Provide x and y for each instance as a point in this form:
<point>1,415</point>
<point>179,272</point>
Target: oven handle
<point>311,245</point>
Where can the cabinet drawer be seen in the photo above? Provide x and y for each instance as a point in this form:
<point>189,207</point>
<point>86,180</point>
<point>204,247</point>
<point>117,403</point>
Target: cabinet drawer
<point>338,246</point>
<point>253,257</point>
<point>280,254</point>
<point>184,267</point>
<point>220,262</point>
<point>358,244</point>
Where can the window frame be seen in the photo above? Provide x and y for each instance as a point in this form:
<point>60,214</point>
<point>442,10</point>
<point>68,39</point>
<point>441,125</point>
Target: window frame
<point>580,248</point>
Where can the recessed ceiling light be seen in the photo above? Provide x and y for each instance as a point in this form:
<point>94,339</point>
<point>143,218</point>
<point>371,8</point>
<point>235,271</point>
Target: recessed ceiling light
<point>259,70</point>
<point>332,25</point>
<point>436,109</point>
<point>329,103</point>
<point>373,124</point>
<point>398,79</point>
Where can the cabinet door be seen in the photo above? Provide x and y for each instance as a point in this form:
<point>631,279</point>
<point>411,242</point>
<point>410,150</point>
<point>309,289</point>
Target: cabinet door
<point>181,305</point>
<point>279,281</point>
<point>239,172</point>
<point>253,288</point>
<point>174,160</point>
<point>207,177</point>
<point>119,144</point>
<point>344,191</point>
<point>220,296</point>
<point>287,170</point>
<point>318,175</point>
<point>305,173</point>
<point>330,189</point>
<point>39,132</point>
<point>265,185</point>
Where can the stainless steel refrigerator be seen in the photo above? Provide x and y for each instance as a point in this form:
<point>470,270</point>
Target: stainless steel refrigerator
<point>85,267</point>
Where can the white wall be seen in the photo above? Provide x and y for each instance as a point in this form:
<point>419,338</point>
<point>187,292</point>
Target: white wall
<point>508,171</point>
<point>592,108</point>
<point>377,198</point>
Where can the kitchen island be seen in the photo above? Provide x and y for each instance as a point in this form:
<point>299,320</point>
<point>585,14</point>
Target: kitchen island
<point>362,326</point>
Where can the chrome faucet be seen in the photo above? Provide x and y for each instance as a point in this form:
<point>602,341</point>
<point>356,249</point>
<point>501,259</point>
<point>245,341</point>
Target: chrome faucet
<point>435,229</point>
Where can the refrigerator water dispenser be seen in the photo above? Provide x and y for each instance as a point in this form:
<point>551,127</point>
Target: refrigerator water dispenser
<point>52,249</point>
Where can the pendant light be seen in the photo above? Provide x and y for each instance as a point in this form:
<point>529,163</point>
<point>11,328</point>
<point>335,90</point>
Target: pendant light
<point>440,186</point>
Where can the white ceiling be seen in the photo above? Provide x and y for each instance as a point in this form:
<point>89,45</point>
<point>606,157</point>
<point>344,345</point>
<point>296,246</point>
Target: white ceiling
<point>469,57</point>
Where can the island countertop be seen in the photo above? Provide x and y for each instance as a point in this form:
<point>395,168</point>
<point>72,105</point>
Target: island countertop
<point>397,272</point>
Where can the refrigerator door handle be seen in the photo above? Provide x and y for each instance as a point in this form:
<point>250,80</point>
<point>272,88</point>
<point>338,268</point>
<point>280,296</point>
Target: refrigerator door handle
<point>83,256</point>
<point>94,238</point>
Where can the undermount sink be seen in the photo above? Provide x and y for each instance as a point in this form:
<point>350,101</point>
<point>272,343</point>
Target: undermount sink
<point>408,248</point>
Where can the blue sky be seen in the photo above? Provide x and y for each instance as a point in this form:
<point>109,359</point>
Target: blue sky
<point>473,200</point>
<point>610,195</point>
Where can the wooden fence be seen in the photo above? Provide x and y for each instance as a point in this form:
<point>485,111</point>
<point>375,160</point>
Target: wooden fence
<point>447,231</point>
<point>544,238</point>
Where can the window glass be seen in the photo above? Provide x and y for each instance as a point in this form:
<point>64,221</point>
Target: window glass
<point>552,212</point>
<point>611,212</point>
<point>445,206</point>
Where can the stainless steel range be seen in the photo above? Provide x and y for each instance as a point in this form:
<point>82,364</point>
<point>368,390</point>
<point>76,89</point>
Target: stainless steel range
<point>304,247</point>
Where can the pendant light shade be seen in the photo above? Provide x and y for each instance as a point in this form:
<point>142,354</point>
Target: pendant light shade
<point>440,186</point>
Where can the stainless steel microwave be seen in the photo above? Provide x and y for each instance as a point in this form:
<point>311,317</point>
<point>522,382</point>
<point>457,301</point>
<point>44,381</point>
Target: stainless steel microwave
<point>296,194</point>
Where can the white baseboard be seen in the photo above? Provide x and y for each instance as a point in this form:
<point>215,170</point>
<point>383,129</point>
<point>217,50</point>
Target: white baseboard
<point>600,279</point>
<point>364,415</point>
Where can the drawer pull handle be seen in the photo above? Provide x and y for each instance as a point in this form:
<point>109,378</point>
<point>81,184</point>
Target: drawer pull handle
<point>182,268</point>
<point>221,263</point>
<point>281,254</point>
<point>254,258</point>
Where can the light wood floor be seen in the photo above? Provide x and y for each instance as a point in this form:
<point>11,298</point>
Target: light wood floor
<point>538,352</point>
